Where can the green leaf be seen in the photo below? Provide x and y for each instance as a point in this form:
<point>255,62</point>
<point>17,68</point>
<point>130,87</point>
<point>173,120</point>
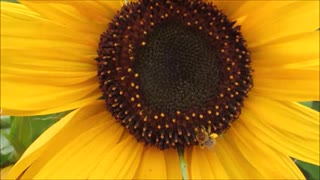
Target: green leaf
<point>5,122</point>
<point>312,172</point>
<point>22,132</point>
<point>312,104</point>
<point>7,153</point>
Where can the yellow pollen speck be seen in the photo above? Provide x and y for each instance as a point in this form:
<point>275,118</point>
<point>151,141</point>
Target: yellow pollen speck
<point>209,122</point>
<point>193,114</point>
<point>137,96</point>
<point>132,99</point>
<point>200,116</point>
<point>209,112</point>
<point>138,105</point>
<point>187,118</point>
<point>217,113</point>
<point>173,120</point>
<point>129,69</point>
<point>136,75</point>
<point>221,95</point>
<point>178,112</point>
<point>121,92</point>
<point>156,117</point>
<point>162,114</point>
<point>222,50</point>
<point>143,43</point>
<point>144,32</point>
<point>217,107</point>
<point>159,127</point>
<point>119,68</point>
<point>167,126</point>
<point>132,84</point>
<point>230,77</point>
<point>122,78</point>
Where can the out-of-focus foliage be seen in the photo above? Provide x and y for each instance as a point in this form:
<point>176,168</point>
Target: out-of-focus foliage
<point>17,133</point>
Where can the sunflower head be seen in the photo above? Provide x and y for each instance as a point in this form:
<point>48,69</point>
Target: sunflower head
<point>169,68</point>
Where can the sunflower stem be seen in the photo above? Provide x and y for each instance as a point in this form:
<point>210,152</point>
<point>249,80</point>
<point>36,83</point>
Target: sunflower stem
<point>183,164</point>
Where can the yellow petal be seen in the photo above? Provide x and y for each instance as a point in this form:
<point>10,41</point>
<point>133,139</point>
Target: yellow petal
<point>99,11</point>
<point>66,15</point>
<point>241,10</point>
<point>269,162</point>
<point>294,49</point>
<point>60,134</point>
<point>287,127</point>
<point>87,100</point>
<point>287,84</point>
<point>293,18</point>
<point>35,96</point>
<point>200,166</point>
<point>4,171</point>
<point>48,66</point>
<point>87,147</point>
<point>234,163</point>
<point>152,165</point>
<point>206,165</point>
<point>120,162</point>
<point>172,164</point>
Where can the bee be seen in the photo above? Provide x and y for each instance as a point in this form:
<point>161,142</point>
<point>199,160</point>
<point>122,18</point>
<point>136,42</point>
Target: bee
<point>205,138</point>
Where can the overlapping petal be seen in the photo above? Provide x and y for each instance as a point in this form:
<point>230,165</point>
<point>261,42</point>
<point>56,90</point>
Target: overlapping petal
<point>83,135</point>
<point>287,127</point>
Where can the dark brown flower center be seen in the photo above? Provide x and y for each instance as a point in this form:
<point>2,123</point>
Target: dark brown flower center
<point>170,68</point>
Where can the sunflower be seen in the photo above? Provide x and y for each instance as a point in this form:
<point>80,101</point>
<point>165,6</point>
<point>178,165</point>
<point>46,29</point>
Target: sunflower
<point>217,80</point>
